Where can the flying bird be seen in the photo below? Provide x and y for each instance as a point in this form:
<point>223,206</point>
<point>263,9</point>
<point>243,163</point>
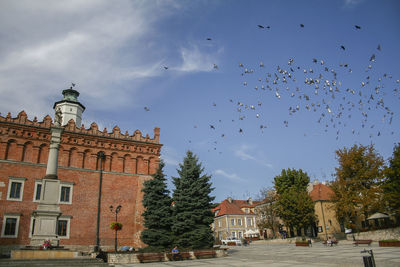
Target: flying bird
<point>209,39</point>
<point>302,25</point>
<point>166,67</point>
<point>357,27</point>
<point>146,108</point>
<point>260,26</point>
<point>215,66</point>
<point>342,46</point>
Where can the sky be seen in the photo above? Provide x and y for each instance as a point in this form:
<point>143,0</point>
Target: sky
<point>251,87</point>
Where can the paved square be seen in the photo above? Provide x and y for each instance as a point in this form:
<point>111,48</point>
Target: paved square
<point>263,254</point>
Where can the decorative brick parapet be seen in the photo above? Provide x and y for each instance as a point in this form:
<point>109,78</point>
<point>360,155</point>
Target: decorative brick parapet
<point>22,119</point>
<point>27,140</point>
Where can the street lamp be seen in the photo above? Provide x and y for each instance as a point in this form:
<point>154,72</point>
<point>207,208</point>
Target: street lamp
<point>100,156</point>
<point>117,209</point>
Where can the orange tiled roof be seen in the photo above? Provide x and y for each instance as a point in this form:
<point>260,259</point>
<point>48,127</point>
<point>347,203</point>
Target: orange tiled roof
<point>321,192</point>
<point>234,207</point>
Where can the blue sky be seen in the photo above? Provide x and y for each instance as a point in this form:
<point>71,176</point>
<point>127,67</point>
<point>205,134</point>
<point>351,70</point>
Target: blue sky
<point>116,51</point>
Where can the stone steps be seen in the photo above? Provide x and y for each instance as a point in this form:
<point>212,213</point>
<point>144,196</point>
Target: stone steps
<point>87,262</point>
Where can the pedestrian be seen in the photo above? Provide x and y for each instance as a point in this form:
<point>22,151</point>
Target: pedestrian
<point>175,254</point>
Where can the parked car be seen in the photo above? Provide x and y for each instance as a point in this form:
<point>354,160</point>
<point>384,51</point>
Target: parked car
<point>238,242</point>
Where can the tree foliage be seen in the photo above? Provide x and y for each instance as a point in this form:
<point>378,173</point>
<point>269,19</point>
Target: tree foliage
<point>294,205</point>
<point>192,215</point>
<point>391,184</point>
<point>357,182</point>
<point>158,213</point>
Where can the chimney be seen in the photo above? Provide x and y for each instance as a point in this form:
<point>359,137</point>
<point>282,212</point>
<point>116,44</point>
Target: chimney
<point>250,201</point>
<point>229,199</point>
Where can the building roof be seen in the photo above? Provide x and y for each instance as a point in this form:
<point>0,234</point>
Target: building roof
<point>233,207</point>
<point>321,192</point>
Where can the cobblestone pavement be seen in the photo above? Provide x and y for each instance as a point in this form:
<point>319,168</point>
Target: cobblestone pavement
<point>255,255</point>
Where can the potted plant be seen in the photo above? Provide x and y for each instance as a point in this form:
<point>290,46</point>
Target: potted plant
<point>389,243</point>
<point>116,226</point>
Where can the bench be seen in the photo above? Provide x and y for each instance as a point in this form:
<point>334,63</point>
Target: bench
<point>362,242</point>
<point>333,242</point>
<point>205,254</point>
<point>184,256</point>
<point>150,257</point>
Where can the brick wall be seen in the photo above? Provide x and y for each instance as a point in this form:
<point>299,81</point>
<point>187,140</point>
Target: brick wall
<point>129,160</point>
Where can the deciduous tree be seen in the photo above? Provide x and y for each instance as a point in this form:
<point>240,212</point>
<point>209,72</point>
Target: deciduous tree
<point>357,182</point>
<point>391,184</point>
<point>267,217</point>
<point>294,205</point>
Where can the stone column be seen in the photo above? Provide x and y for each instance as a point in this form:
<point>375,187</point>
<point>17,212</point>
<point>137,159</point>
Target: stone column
<point>48,210</point>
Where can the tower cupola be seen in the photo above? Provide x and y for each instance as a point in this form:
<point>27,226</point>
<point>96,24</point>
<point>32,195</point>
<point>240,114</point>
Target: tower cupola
<point>70,107</point>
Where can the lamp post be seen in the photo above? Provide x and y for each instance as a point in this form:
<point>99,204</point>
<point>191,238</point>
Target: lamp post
<point>100,156</point>
<point>117,209</point>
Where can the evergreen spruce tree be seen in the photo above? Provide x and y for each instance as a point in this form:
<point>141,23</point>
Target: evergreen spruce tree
<point>192,206</point>
<point>158,211</point>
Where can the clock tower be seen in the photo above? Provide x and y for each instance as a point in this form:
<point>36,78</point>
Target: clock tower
<point>70,107</point>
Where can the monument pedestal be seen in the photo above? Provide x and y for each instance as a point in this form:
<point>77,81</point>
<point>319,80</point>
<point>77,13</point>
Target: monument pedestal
<point>48,211</point>
<point>47,214</point>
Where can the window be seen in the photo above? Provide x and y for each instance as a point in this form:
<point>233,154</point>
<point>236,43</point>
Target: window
<point>240,235</point>
<point>233,234</point>
<point>15,188</point>
<point>10,225</point>
<point>232,221</point>
<point>33,221</point>
<point>37,191</point>
<point>250,222</point>
<point>219,224</point>
<point>239,221</point>
<point>246,210</point>
<point>63,224</point>
<point>66,193</point>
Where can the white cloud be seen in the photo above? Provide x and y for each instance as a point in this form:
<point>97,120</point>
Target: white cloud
<point>195,60</point>
<point>352,3</point>
<point>109,49</point>
<point>230,176</point>
<point>170,156</point>
<point>246,152</point>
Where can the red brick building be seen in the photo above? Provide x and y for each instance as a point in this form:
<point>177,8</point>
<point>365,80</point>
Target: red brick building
<point>129,161</point>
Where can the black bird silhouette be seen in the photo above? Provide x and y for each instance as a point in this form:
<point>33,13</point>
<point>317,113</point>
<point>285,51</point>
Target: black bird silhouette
<point>209,39</point>
<point>260,26</point>
<point>302,25</point>
<point>357,27</point>
<point>342,46</point>
<point>166,67</point>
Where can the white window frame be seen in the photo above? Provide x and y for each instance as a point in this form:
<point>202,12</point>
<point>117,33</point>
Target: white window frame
<point>240,234</point>
<point>233,234</point>
<point>3,227</point>
<point>219,223</point>
<point>71,186</point>
<point>232,222</point>
<point>37,182</point>
<point>16,180</point>
<point>68,219</point>
<point>239,222</point>
<point>250,221</point>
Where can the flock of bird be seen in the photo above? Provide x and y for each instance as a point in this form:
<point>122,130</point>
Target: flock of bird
<point>318,88</point>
